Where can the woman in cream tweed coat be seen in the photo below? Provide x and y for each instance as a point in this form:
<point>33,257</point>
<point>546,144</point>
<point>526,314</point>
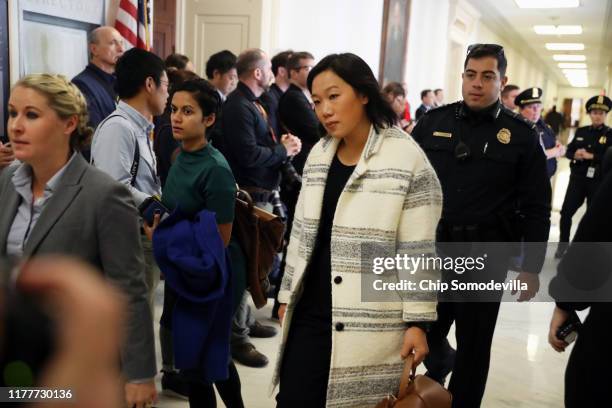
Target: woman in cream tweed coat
<point>349,353</point>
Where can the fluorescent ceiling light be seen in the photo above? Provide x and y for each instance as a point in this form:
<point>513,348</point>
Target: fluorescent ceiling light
<point>569,57</point>
<point>577,65</point>
<point>558,30</point>
<point>577,77</point>
<point>535,4</point>
<point>565,46</point>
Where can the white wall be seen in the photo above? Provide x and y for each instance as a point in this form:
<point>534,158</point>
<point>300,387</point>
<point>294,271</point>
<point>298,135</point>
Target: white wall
<point>427,48</point>
<point>322,27</point>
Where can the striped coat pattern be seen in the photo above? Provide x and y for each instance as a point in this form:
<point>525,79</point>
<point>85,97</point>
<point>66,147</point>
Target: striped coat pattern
<point>392,200</point>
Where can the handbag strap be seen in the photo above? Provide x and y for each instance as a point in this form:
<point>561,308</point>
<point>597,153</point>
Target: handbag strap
<point>407,376</point>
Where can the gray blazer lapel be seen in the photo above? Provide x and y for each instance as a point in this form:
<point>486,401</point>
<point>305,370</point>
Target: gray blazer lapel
<point>10,203</point>
<point>66,192</point>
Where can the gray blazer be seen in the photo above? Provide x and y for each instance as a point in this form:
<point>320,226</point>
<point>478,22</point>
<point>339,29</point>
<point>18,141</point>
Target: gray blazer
<point>93,217</point>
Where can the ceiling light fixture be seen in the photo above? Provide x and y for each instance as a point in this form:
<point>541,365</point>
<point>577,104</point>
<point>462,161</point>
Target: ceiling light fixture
<point>558,30</point>
<point>569,57</point>
<point>565,46</point>
<point>537,4</point>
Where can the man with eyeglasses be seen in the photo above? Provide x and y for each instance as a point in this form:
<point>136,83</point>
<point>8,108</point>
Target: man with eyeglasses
<point>496,190</point>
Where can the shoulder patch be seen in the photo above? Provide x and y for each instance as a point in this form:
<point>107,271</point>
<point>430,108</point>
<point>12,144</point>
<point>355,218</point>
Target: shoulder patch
<point>442,108</point>
<point>518,118</point>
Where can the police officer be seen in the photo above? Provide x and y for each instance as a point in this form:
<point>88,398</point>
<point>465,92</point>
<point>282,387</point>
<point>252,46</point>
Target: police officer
<point>585,151</point>
<point>493,175</point>
<point>529,103</point>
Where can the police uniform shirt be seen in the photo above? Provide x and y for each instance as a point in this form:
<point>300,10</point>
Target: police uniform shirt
<point>594,140</point>
<point>506,166</point>
<point>548,140</point>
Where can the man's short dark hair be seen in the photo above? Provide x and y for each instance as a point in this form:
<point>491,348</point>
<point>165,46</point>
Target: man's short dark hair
<point>395,89</point>
<point>478,51</point>
<point>295,60</point>
<point>280,60</point>
<point>437,91</point>
<point>133,69</point>
<point>509,88</point>
<point>249,60</point>
<point>223,62</point>
<point>424,93</point>
<point>178,61</point>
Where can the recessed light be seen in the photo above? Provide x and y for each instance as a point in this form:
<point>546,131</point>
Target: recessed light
<point>575,65</point>
<point>558,30</point>
<point>565,46</point>
<point>535,4</point>
<point>569,57</point>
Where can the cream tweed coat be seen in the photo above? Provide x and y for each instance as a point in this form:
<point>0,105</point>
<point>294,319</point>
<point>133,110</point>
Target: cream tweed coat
<point>393,198</point>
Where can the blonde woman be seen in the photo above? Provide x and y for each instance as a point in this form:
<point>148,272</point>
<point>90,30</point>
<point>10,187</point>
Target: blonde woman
<point>53,202</point>
<point>367,182</point>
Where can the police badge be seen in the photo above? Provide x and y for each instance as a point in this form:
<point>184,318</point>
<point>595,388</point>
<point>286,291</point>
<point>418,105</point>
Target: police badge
<point>504,136</point>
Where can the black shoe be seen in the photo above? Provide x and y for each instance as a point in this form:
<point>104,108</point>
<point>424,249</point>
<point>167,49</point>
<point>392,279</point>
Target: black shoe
<point>174,383</point>
<point>260,331</point>
<point>248,355</point>
<point>561,249</point>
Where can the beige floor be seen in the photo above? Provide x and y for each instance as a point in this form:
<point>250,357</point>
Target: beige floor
<point>525,372</point>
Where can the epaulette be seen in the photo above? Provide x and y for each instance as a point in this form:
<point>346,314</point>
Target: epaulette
<point>518,117</point>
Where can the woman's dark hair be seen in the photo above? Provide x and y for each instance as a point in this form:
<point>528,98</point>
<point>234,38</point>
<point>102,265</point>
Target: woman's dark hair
<point>132,70</point>
<point>395,89</point>
<point>356,72</point>
<point>204,93</point>
<point>177,61</point>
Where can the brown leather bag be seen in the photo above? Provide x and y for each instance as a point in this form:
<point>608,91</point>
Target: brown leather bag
<point>417,391</point>
<point>260,235</point>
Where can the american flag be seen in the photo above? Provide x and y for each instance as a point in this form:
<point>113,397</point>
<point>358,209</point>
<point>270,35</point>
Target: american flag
<point>134,23</point>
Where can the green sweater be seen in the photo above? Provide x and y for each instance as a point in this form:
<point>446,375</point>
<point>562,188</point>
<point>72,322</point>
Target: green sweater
<point>203,180</point>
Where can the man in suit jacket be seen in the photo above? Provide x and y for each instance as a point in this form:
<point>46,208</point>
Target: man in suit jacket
<point>295,107</point>
<point>427,103</point>
<point>92,217</point>
<point>271,98</point>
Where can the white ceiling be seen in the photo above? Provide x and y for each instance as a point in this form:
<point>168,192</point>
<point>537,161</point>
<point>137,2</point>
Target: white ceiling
<point>516,26</point>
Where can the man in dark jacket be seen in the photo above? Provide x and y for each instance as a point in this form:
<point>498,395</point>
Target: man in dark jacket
<point>97,81</point>
<point>271,98</point>
<point>295,107</point>
<point>255,154</point>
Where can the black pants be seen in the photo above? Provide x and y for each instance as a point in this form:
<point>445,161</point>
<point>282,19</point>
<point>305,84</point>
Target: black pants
<point>202,395</point>
<point>474,328</point>
<point>305,367</point>
<point>578,189</point>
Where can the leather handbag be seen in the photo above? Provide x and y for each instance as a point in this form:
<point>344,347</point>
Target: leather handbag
<point>417,391</point>
<point>260,236</point>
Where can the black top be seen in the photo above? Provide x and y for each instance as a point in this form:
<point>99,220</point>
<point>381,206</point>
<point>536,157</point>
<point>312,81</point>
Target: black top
<point>298,117</point>
<point>246,142</point>
<point>595,227</point>
<point>315,304</point>
<point>555,120</point>
<point>164,144</point>
<point>595,140</point>
<point>269,100</point>
<point>505,173</point>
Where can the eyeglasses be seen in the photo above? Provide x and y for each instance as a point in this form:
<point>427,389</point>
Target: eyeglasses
<point>306,67</point>
<point>496,48</point>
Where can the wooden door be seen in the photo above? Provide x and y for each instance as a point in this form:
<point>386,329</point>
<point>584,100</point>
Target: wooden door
<point>164,27</point>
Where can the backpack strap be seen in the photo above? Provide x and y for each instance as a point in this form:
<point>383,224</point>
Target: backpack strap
<point>136,160</point>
